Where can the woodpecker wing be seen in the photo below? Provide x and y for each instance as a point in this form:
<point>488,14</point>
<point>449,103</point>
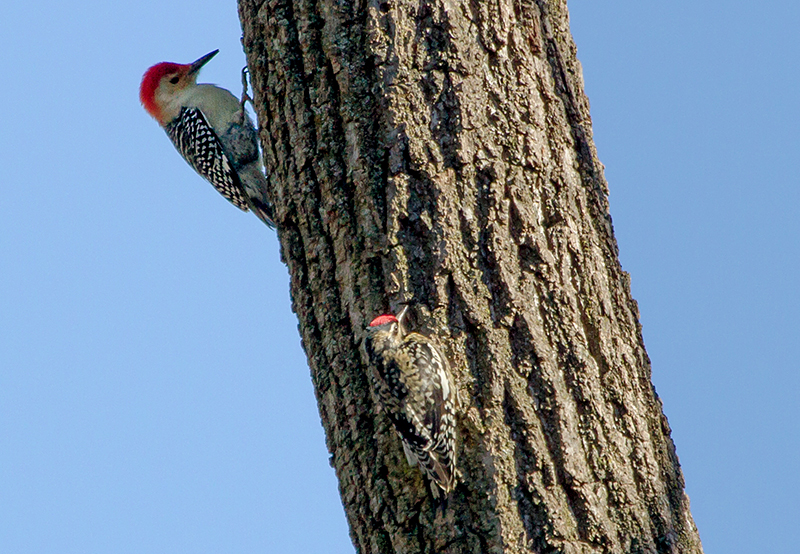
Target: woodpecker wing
<point>197,142</point>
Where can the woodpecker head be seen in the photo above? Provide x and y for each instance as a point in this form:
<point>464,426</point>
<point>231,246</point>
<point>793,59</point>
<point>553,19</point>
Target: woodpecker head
<point>164,82</point>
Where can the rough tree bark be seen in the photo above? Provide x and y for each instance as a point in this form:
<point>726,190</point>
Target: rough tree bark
<point>440,152</point>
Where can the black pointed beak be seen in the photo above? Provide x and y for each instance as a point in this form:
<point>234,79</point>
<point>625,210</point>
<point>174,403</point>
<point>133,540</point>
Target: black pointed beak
<point>196,65</point>
<point>402,313</point>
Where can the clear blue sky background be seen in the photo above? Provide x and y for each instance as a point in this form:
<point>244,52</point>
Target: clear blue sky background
<point>153,394</point>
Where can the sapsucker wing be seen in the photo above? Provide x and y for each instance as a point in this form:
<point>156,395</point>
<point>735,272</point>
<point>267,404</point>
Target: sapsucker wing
<point>197,142</point>
<point>412,381</point>
<point>428,381</point>
<point>397,384</point>
<point>429,409</point>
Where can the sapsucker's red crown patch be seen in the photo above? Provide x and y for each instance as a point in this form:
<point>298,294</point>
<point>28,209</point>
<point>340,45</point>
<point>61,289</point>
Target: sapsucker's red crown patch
<point>383,320</point>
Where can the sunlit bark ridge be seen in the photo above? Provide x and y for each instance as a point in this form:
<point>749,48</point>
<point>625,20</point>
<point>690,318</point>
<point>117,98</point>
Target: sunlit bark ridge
<point>441,153</point>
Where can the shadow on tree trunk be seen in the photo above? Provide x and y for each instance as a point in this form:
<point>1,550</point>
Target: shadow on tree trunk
<point>441,154</point>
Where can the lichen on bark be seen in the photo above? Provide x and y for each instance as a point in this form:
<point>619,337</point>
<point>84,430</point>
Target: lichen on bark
<point>440,152</point>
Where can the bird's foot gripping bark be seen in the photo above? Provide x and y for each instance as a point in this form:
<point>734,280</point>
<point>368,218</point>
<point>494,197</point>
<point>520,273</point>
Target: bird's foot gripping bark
<point>245,95</point>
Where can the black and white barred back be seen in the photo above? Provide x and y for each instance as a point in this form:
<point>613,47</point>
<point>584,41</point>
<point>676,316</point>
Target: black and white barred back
<point>197,142</point>
<point>413,384</point>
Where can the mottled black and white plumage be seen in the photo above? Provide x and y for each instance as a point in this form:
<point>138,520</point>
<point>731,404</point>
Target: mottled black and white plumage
<point>413,384</point>
<point>211,129</point>
<point>199,145</point>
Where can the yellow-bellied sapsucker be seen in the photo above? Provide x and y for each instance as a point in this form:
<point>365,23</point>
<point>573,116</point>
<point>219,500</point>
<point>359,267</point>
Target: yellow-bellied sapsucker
<point>414,387</point>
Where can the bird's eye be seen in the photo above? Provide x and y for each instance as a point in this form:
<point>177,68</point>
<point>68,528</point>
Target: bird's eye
<point>175,80</point>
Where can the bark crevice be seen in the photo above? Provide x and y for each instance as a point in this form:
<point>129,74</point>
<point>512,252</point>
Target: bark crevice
<point>441,153</point>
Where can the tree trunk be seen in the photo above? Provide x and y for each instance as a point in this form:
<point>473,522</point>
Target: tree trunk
<point>441,153</point>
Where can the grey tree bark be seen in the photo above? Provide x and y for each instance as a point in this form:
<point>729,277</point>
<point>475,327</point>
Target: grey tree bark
<point>440,152</point>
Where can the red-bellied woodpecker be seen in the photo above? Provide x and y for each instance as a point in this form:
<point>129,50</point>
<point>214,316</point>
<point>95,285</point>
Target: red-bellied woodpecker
<point>209,127</point>
<point>414,386</point>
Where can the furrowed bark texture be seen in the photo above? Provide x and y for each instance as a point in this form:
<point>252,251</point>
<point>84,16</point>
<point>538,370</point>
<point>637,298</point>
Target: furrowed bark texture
<point>441,153</point>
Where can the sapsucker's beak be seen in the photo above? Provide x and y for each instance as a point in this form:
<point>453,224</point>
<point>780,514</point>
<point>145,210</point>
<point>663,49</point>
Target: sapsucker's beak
<point>196,65</point>
<point>402,314</point>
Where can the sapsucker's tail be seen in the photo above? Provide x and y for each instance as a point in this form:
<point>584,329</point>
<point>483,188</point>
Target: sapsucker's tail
<point>437,463</point>
<point>440,470</point>
<point>442,474</point>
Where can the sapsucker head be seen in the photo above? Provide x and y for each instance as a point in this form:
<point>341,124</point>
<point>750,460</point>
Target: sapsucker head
<point>413,386</point>
<point>163,83</point>
<point>386,331</point>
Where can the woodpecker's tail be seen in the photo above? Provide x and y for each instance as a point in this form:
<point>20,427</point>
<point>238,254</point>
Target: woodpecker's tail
<point>263,212</point>
<point>256,185</point>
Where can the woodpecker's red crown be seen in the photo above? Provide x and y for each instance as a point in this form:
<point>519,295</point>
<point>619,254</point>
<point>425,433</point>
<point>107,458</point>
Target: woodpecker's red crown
<point>383,320</point>
<point>178,76</point>
<point>151,80</point>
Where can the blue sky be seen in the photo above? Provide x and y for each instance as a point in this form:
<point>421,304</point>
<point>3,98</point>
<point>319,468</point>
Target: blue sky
<point>153,393</point>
